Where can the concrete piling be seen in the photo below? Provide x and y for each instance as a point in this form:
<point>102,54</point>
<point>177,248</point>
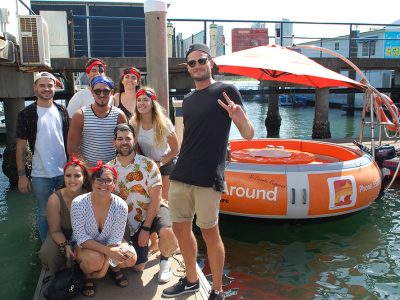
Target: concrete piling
<point>155,12</point>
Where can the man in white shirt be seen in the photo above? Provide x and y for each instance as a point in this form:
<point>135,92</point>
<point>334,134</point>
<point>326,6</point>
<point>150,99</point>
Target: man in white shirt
<point>44,126</point>
<point>94,67</point>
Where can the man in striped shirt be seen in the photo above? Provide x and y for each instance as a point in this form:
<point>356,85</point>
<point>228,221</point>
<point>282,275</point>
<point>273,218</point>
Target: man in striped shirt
<point>91,131</point>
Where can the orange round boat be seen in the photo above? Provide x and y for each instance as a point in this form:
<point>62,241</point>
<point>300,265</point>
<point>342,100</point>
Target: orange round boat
<point>297,179</point>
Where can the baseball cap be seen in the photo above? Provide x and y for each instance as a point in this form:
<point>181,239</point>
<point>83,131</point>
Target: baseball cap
<point>44,75</point>
<point>198,47</point>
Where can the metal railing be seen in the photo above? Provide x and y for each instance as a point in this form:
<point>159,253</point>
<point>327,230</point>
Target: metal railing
<point>27,7</point>
<point>352,33</point>
<point>125,36</point>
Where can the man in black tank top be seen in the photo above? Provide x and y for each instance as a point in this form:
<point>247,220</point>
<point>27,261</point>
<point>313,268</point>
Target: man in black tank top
<point>198,178</point>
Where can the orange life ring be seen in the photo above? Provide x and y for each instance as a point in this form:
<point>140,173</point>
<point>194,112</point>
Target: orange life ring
<point>291,157</point>
<point>392,125</point>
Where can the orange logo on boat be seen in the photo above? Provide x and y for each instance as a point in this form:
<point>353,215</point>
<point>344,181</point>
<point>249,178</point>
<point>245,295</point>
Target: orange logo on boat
<point>342,192</point>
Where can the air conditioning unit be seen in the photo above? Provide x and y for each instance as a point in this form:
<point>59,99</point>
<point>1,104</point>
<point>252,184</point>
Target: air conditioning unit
<point>33,41</point>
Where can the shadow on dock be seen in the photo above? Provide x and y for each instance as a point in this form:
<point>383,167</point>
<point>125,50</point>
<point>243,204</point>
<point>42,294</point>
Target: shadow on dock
<point>143,286</point>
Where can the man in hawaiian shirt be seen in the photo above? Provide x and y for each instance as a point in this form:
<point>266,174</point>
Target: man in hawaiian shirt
<point>139,183</point>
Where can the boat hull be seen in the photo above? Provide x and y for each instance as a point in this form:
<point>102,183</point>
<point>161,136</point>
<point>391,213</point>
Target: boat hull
<point>339,181</point>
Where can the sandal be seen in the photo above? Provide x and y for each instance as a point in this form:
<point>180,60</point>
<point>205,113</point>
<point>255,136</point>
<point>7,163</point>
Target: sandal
<point>119,278</point>
<point>88,289</point>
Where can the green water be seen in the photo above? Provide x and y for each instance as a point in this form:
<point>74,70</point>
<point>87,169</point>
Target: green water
<point>20,266</point>
<point>353,257</point>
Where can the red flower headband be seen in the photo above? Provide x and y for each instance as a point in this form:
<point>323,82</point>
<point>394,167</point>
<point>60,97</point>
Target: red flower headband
<point>100,165</point>
<point>146,93</point>
<point>131,71</point>
<point>75,162</point>
<point>94,64</point>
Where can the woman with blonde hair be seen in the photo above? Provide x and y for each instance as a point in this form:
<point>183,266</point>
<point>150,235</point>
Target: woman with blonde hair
<point>128,85</point>
<point>155,134</point>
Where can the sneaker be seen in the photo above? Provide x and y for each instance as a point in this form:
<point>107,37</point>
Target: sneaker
<point>164,275</point>
<point>183,286</point>
<point>216,295</point>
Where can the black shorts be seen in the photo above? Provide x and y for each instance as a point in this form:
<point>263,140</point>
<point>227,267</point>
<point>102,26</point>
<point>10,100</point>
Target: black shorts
<point>167,169</point>
<point>162,220</point>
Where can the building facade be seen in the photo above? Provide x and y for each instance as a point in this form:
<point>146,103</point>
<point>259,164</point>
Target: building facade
<point>94,29</point>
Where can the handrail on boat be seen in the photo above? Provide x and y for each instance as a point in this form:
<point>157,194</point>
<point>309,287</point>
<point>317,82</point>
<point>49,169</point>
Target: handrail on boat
<point>372,102</point>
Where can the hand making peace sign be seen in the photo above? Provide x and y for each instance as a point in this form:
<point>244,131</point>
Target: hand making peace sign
<point>235,111</point>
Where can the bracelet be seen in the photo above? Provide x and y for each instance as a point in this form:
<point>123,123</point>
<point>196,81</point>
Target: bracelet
<point>145,228</point>
<point>21,173</point>
<point>161,163</point>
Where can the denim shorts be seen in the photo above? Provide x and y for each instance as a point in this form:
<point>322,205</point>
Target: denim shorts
<point>162,220</point>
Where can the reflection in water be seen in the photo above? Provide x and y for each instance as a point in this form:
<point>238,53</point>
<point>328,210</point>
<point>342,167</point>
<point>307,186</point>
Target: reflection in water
<point>350,257</point>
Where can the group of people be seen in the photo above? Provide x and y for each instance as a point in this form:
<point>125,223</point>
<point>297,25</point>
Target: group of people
<point>110,178</point>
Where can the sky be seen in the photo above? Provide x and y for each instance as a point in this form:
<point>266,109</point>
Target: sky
<point>366,11</point>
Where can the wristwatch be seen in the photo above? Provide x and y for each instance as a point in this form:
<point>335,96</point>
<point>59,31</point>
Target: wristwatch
<point>145,228</point>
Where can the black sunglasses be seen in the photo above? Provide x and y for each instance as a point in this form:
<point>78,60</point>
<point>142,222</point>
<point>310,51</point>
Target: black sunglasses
<point>202,61</point>
<point>105,92</point>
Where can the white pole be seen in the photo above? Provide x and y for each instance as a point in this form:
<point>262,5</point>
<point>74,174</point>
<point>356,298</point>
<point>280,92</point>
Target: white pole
<point>155,12</point>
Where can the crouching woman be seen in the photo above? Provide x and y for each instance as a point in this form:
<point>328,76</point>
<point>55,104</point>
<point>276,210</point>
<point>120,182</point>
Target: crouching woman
<point>56,249</point>
<point>98,221</point>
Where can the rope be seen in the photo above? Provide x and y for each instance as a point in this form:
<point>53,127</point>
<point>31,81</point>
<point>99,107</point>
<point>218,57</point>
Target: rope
<point>180,268</point>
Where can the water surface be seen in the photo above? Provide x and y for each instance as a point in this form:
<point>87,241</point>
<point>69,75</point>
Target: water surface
<point>351,257</point>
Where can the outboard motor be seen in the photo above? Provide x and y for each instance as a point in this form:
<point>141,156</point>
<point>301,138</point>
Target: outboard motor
<point>382,153</point>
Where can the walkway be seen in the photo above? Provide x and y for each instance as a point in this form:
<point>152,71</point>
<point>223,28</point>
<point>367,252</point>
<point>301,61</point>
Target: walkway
<point>142,286</point>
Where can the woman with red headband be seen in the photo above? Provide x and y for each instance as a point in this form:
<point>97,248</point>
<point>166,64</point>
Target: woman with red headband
<point>56,249</point>
<point>98,220</point>
<point>155,133</point>
<point>129,83</point>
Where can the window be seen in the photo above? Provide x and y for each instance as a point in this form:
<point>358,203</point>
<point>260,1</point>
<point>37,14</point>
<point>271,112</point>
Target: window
<point>368,47</point>
<point>336,46</point>
<point>372,46</point>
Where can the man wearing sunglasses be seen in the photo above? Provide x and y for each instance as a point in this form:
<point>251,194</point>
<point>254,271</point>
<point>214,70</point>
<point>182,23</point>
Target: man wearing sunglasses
<point>198,178</point>
<point>92,127</point>
<point>93,68</point>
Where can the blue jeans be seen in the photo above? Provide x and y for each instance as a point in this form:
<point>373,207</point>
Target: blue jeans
<point>43,188</point>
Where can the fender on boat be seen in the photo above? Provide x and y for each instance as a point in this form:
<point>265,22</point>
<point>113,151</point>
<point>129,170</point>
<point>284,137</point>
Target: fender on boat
<point>339,181</point>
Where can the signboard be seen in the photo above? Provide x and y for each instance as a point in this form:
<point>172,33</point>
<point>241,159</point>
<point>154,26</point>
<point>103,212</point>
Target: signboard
<point>255,194</point>
<point>392,45</point>
<point>246,38</point>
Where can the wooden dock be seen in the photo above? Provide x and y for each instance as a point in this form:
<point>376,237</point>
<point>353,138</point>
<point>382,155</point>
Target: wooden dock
<point>142,286</point>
